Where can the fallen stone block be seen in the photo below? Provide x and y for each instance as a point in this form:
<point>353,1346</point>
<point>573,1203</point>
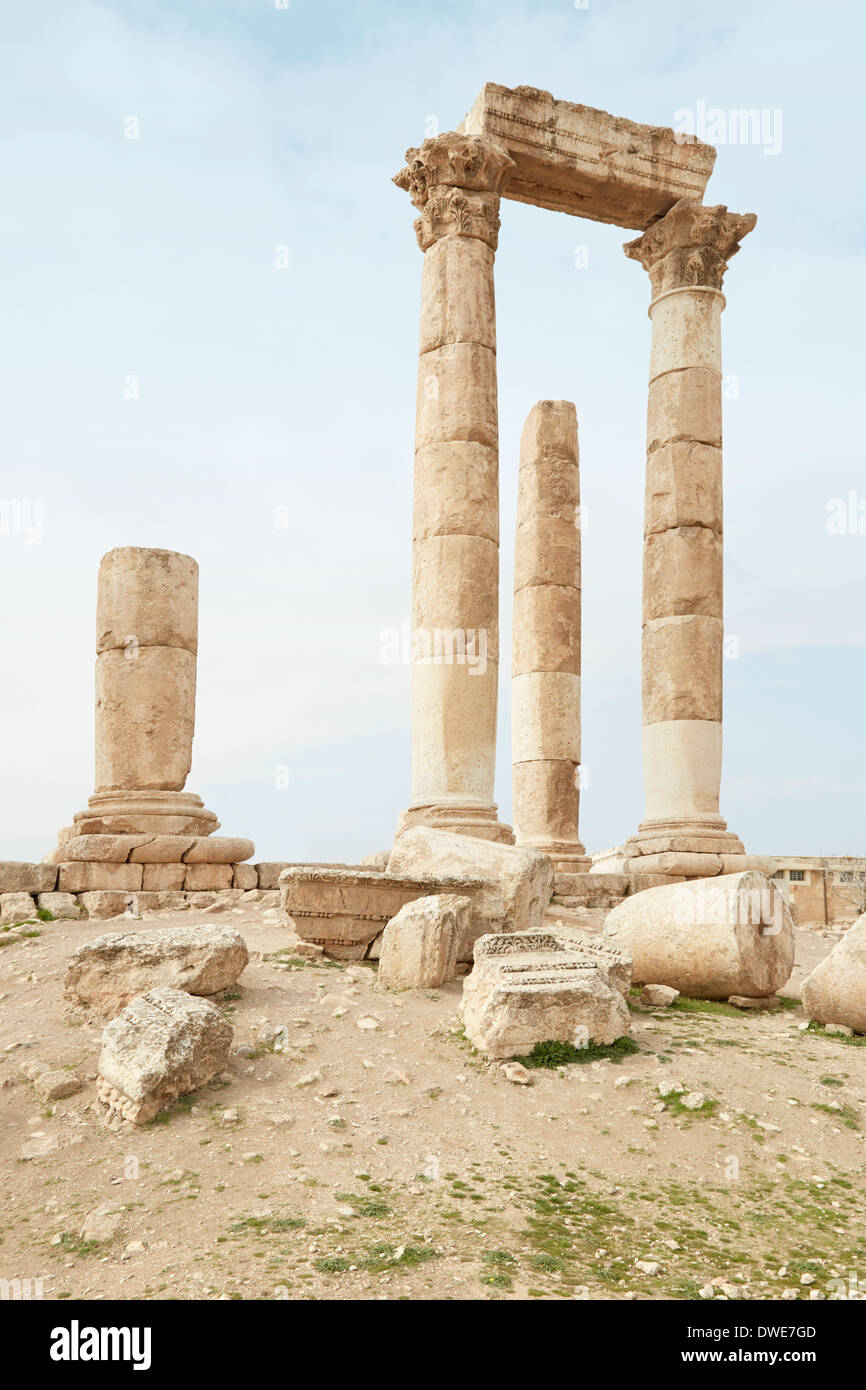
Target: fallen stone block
<point>835,992</point>
<point>60,905</point>
<point>89,877</point>
<point>27,878</point>
<point>344,910</point>
<point>17,907</point>
<point>111,970</point>
<point>708,938</point>
<point>164,1044</point>
<point>419,945</point>
<point>56,1085</point>
<point>523,876</point>
<point>531,987</point>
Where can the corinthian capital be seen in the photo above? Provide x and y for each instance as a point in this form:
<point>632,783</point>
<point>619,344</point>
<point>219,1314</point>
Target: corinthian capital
<point>690,245</point>
<point>455,181</point>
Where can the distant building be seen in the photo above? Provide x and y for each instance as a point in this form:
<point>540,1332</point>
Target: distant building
<point>825,891</point>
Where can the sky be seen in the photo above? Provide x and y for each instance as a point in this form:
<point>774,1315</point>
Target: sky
<point>210,295</point>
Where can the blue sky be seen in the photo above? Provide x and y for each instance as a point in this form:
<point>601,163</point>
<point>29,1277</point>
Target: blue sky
<point>263,389</point>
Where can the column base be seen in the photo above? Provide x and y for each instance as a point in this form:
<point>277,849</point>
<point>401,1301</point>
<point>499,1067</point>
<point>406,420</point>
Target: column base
<point>475,818</point>
<point>569,857</point>
<point>144,813</point>
<point>691,847</point>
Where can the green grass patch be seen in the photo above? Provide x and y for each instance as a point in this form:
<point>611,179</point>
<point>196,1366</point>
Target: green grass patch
<point>382,1257</point>
<point>560,1054</point>
<point>844,1114</point>
<point>674,1106</point>
<point>858,1040</point>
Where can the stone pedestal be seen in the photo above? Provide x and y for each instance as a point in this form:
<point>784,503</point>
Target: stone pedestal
<point>545,684</point>
<point>455,182</point>
<point>686,254</point>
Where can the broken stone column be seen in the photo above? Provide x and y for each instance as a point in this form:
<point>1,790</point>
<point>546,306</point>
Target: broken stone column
<point>545,684</point>
<point>146,649</point>
<point>835,992</point>
<point>455,182</point>
<point>686,254</point>
<point>141,830</point>
<point>709,939</point>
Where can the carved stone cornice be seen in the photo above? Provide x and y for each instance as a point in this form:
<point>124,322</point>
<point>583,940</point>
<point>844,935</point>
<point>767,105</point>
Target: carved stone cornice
<point>456,181</point>
<point>690,246</point>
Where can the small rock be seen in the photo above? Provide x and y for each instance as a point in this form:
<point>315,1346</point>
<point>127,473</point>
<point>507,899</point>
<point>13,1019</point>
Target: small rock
<point>309,1078</point>
<point>660,996</point>
<point>54,1085</point>
<point>40,1145</point>
<point>395,1076</point>
<point>306,950</point>
<point>807,1279</point>
<point>707,1291</point>
<point>651,1267</point>
<point>367,1023</point>
<point>101,1224</point>
<point>670,1088</point>
<point>516,1073</point>
<point>695,1100</point>
<point>840,1030</point>
<point>767,1001</point>
<point>31,1070</point>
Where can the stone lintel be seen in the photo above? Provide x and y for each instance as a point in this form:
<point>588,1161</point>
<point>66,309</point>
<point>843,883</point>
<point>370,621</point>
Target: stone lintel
<point>575,159</point>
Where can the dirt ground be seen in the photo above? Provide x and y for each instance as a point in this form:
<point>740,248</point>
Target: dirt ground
<point>367,1152</point>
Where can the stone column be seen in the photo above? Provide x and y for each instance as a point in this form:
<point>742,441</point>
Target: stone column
<point>545,683</point>
<point>686,254</point>
<point>455,182</point>
<point>146,644</point>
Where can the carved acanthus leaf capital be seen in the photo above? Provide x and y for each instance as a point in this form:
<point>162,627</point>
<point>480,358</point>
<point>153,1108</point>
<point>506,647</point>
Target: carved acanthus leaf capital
<point>690,245</point>
<point>455,181</point>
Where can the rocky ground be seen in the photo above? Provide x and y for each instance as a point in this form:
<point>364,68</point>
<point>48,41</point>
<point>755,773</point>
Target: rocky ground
<point>358,1148</point>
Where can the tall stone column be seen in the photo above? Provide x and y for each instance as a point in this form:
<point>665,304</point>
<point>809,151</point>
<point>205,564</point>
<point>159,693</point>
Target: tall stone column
<point>146,644</point>
<point>545,683</point>
<point>455,182</point>
<point>686,254</point>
